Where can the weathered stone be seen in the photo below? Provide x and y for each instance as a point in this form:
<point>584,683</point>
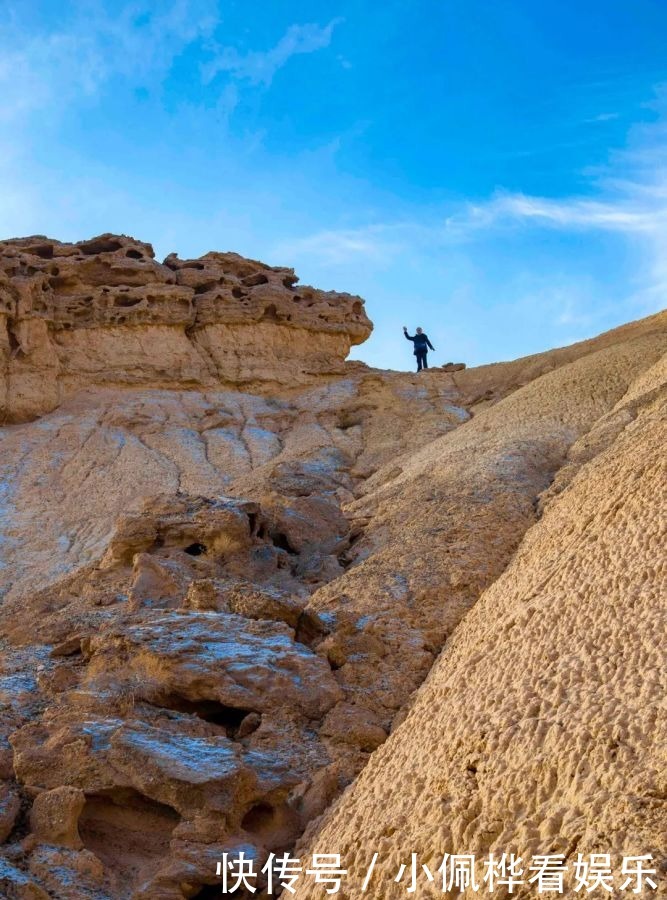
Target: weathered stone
<point>537,728</point>
<point>106,312</point>
<point>240,663</point>
<point>16,885</point>
<point>10,805</point>
<point>54,817</point>
<point>228,561</point>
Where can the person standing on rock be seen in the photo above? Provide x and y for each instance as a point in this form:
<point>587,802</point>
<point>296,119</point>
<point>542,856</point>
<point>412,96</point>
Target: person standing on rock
<point>422,343</point>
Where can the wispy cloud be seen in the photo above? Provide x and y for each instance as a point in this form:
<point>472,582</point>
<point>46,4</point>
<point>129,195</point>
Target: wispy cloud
<point>625,215</point>
<point>258,67</point>
<point>47,70</point>
<point>378,244</point>
<point>603,117</point>
<point>626,198</point>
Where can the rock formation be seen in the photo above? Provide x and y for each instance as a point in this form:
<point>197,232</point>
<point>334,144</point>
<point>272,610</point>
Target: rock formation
<point>539,728</point>
<point>230,562</point>
<point>105,312</point>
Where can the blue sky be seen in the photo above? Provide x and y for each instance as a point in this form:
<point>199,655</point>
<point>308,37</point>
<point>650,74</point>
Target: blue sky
<point>493,171</point>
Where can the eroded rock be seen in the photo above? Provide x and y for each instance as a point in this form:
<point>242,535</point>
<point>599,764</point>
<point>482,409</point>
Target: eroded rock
<point>106,312</point>
<point>220,594</point>
<point>54,817</point>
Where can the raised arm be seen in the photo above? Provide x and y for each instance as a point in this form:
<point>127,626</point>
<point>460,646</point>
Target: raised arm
<point>406,335</point>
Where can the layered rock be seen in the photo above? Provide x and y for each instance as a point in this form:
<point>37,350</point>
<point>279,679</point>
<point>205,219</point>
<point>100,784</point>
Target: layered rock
<point>104,312</point>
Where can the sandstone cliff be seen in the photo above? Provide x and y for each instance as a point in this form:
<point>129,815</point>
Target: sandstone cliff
<point>229,559</point>
<point>105,312</point>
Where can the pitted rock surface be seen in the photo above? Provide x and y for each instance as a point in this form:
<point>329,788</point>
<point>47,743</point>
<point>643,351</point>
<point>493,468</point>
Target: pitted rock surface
<point>106,312</point>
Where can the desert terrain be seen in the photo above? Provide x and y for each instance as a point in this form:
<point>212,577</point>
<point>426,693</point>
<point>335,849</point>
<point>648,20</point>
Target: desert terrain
<point>259,598</point>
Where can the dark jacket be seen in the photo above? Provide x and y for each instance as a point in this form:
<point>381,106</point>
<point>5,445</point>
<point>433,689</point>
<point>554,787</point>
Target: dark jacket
<point>420,341</point>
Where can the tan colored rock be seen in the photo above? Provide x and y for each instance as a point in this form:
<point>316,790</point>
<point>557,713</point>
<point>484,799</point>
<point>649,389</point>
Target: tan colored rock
<point>153,582</point>
<point>240,663</point>
<point>442,528</point>
<point>220,592</point>
<point>538,728</point>
<point>274,605</point>
<point>105,312</point>
<point>68,874</point>
<point>354,725</point>
<point>203,595</point>
<point>54,817</point>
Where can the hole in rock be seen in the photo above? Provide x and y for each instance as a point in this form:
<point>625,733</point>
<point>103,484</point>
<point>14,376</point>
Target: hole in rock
<point>281,541</point>
<point>260,819</point>
<point>212,711</point>
<point>126,302</point>
<point>270,313</point>
<point>44,251</point>
<point>357,307</point>
<point>272,826</point>
<point>290,280</point>
<point>348,420</point>
<point>61,283</point>
<point>134,254</point>
<point>14,343</point>
<point>258,278</point>
<point>206,287</point>
<point>128,832</point>
<point>195,549</point>
<point>104,245</point>
<point>237,293</point>
<point>208,892</point>
<point>310,630</point>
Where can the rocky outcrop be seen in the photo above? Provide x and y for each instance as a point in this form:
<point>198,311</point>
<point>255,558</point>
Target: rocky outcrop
<point>538,730</point>
<point>105,312</point>
<point>220,596</point>
<point>442,524</point>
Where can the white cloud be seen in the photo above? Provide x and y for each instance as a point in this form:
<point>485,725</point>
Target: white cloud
<point>603,117</point>
<point>623,214</point>
<point>374,243</point>
<point>259,67</point>
<point>47,71</point>
<point>627,199</point>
